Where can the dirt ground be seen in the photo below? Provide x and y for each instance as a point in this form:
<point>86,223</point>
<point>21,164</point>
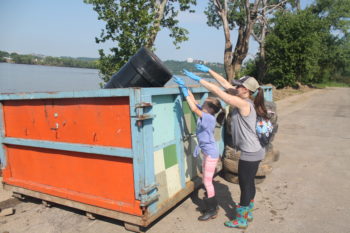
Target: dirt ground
<point>307,191</point>
<point>279,94</point>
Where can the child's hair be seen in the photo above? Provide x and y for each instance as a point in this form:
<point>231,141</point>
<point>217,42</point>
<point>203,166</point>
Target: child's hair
<point>259,103</point>
<point>215,105</point>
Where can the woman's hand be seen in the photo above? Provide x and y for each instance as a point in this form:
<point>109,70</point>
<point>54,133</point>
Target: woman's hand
<point>202,68</point>
<point>192,75</point>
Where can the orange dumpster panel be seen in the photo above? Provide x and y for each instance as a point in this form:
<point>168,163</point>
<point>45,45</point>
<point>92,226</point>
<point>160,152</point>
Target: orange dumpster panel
<point>94,121</point>
<point>100,180</point>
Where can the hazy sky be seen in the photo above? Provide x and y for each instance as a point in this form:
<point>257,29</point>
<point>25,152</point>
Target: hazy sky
<point>69,28</point>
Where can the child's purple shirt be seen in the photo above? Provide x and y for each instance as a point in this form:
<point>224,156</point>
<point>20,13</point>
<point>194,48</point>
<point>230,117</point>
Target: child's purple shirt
<point>205,135</point>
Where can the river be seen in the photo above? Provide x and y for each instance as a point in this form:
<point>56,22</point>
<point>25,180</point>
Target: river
<point>16,78</point>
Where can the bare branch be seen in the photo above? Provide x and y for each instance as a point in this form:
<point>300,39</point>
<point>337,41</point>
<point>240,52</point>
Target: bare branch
<point>270,8</point>
<point>256,37</point>
<point>218,7</point>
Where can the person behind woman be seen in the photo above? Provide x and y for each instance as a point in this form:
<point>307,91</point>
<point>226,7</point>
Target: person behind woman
<point>205,134</point>
<point>243,127</point>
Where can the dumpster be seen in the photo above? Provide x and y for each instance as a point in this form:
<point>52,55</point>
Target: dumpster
<point>121,153</point>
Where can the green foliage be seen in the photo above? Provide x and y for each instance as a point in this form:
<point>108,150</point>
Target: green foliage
<point>332,84</point>
<point>132,24</point>
<point>311,46</point>
<point>294,48</point>
<point>3,54</point>
<point>249,68</point>
<point>50,61</point>
<point>235,17</point>
<point>335,13</point>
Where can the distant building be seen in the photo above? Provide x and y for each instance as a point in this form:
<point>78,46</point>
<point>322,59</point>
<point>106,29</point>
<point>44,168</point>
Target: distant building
<point>189,60</point>
<point>199,61</point>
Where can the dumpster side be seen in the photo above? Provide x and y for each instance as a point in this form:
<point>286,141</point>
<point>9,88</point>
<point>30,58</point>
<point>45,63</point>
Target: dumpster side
<point>172,170</point>
<point>77,148</point>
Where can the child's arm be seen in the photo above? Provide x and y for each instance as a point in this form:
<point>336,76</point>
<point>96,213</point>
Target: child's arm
<point>189,96</point>
<point>193,105</point>
<point>192,97</point>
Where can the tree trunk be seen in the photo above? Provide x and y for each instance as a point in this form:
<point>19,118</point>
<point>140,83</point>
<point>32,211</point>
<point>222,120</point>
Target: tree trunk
<point>261,65</point>
<point>297,4</point>
<point>263,20</point>
<point>222,11</point>
<point>228,51</point>
<point>262,58</point>
<point>156,27</point>
<point>244,32</point>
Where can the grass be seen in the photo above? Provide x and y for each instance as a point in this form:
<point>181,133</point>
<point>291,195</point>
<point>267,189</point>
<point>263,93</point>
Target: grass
<point>331,84</point>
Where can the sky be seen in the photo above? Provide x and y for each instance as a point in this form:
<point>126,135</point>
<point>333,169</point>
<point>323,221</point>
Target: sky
<point>69,27</point>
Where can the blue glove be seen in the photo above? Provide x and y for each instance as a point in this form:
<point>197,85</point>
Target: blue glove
<point>181,84</point>
<point>184,91</point>
<point>202,68</point>
<point>192,75</point>
<point>179,81</point>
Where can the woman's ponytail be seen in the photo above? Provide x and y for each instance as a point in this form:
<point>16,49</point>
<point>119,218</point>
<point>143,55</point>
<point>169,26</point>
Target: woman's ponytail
<point>259,103</point>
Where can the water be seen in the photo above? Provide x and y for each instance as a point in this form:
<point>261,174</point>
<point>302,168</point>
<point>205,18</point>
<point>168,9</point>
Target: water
<point>16,78</point>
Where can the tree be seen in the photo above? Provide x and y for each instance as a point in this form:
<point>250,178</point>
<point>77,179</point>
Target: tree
<point>132,24</point>
<point>335,16</point>
<point>294,47</point>
<point>334,13</point>
<point>267,8</point>
<point>305,46</point>
<point>229,15</point>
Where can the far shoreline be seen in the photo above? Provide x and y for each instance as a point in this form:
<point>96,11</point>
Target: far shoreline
<point>47,65</point>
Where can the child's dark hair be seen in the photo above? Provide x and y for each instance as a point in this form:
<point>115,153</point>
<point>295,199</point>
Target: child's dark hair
<point>259,103</point>
<point>215,104</point>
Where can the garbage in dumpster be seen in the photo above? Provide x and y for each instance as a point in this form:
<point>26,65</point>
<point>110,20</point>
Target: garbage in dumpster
<point>144,69</point>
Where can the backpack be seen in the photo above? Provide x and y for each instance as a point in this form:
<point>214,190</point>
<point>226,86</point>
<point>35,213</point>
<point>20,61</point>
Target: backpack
<point>264,130</point>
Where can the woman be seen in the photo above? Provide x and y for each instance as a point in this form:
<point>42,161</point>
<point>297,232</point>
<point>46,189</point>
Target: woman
<point>244,136</point>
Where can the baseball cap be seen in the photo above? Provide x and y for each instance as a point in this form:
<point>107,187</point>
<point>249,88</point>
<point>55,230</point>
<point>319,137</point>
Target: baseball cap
<point>248,82</point>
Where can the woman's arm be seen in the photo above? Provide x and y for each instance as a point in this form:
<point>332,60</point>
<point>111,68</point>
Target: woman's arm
<point>234,101</point>
<point>221,80</point>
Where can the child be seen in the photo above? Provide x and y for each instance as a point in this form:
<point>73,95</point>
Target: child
<point>205,134</point>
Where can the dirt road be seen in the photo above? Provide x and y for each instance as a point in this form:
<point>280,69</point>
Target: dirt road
<point>307,191</point>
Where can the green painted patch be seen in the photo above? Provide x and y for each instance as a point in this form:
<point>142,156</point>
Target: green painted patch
<point>185,107</point>
<point>193,123</point>
<point>170,157</point>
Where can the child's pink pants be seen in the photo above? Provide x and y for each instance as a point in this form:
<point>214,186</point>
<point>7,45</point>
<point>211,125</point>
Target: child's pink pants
<point>208,168</point>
